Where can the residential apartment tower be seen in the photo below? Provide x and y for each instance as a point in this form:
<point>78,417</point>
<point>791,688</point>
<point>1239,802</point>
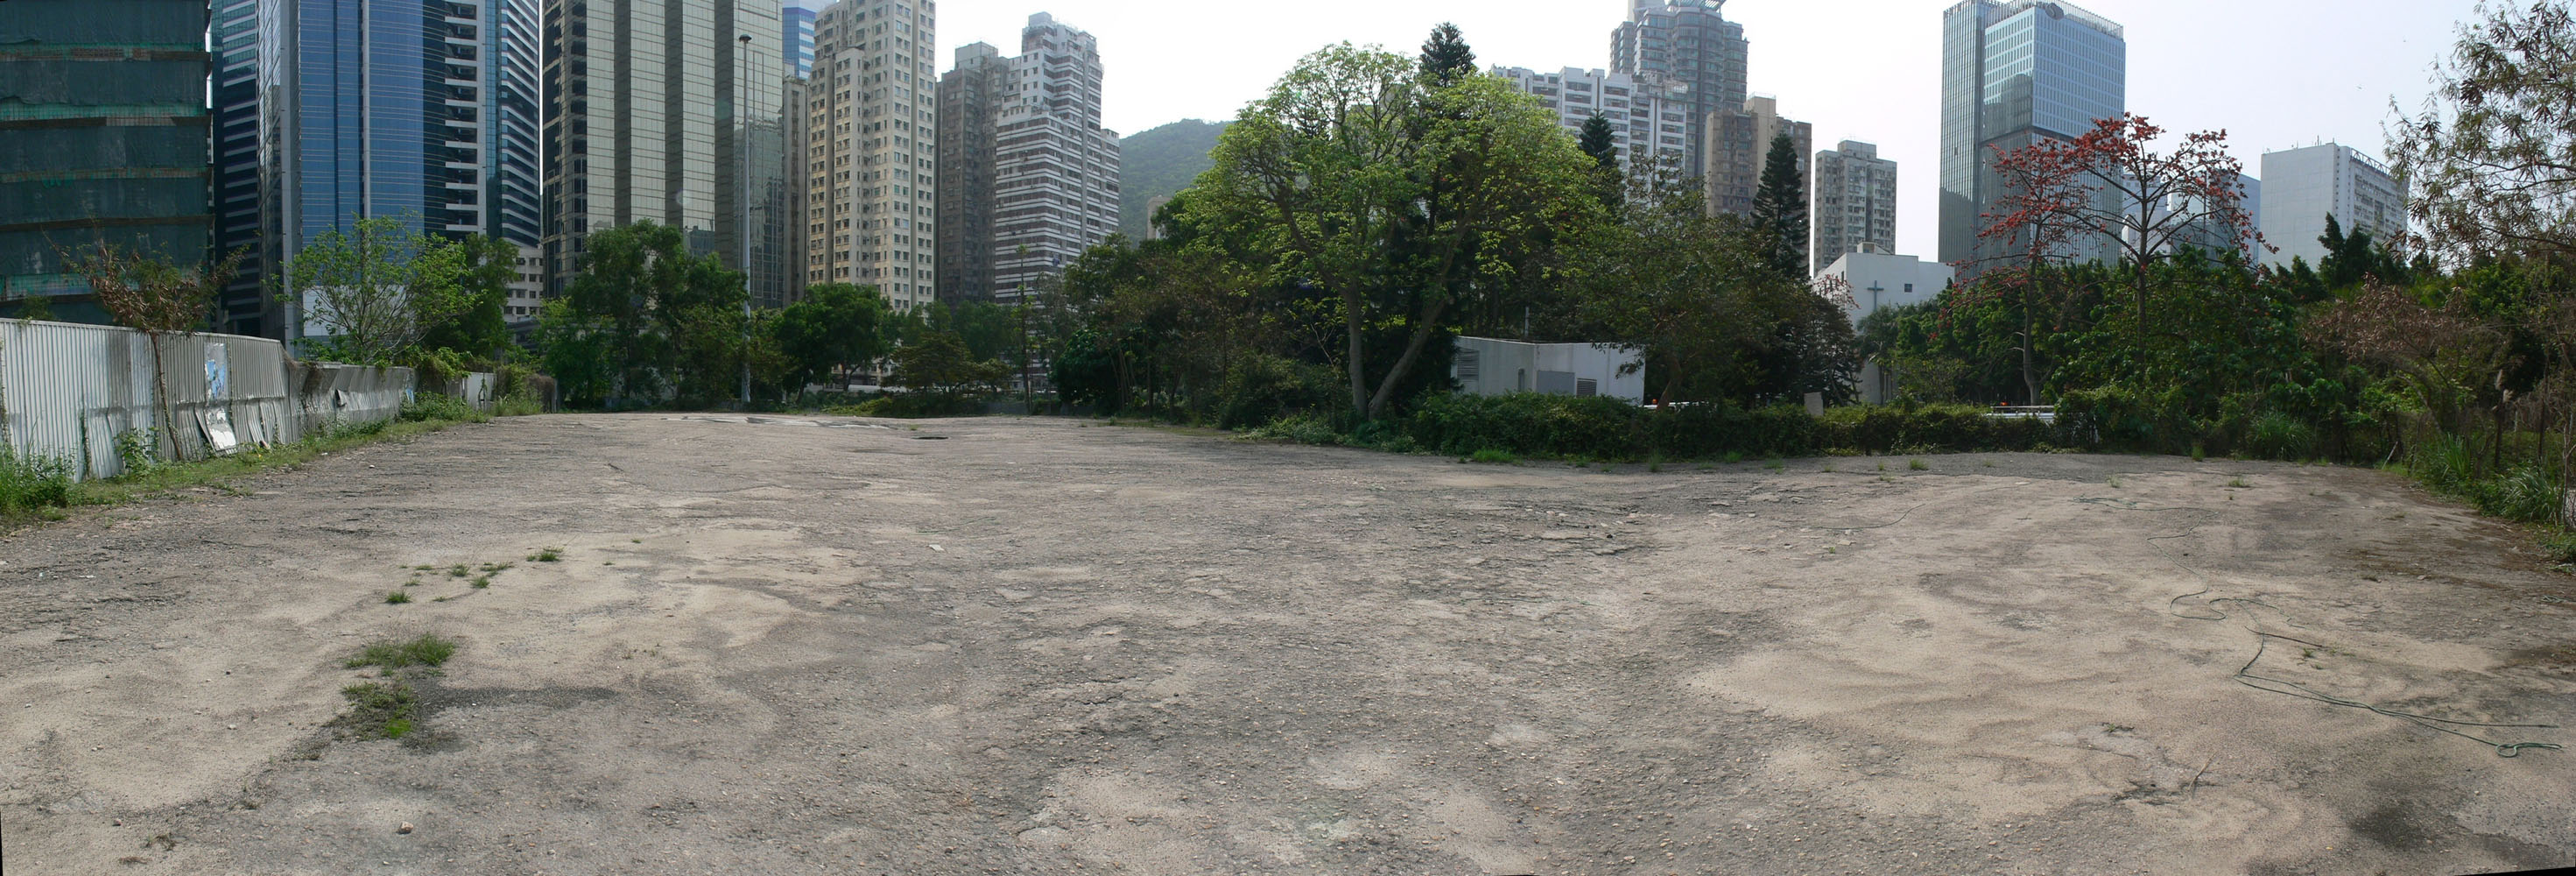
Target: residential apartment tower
<point>1854,207</point>
<point>1034,175</point>
<point>871,155</point>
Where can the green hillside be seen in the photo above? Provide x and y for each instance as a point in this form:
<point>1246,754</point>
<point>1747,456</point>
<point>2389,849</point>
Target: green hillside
<point>1160,162</point>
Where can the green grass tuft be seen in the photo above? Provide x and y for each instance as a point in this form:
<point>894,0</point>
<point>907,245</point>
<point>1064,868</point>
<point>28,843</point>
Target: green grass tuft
<point>397,598</point>
<point>1497,457</point>
<point>379,710</point>
<point>428,650</point>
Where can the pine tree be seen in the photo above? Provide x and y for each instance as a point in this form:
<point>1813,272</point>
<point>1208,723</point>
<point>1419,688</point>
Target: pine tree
<point>1599,142</point>
<point>1445,56</point>
<point>1780,207</point>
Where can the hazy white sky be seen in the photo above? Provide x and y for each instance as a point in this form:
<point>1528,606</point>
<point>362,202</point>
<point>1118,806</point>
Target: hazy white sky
<point>2273,73</point>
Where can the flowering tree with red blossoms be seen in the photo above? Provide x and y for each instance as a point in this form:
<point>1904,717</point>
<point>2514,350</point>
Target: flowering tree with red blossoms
<point>2109,184</point>
<point>2042,208</point>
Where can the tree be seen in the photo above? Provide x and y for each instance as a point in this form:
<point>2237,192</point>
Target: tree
<point>2159,202</point>
<point>1446,60</point>
<point>377,290</point>
<point>831,331</point>
<point>1780,208</point>
<point>482,329</point>
<point>1683,288</point>
<point>2043,204</point>
<point>1399,201</point>
<point>156,297</point>
<point>1600,142</point>
<point>2490,163</point>
<point>579,351</point>
<point>939,362</point>
<point>625,272</point>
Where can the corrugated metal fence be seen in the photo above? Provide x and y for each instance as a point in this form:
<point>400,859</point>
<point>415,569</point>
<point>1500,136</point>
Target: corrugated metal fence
<point>67,391</point>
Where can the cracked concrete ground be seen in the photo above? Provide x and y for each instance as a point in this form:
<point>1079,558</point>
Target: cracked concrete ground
<point>1048,646</point>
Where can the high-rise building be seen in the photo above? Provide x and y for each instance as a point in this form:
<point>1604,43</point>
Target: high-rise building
<point>331,111</point>
<point>2014,72</point>
<point>510,99</point>
<point>968,96</point>
<point>796,39</point>
<point>1654,122</point>
<point>1687,47</point>
<point>669,111</point>
<point>799,142</point>
<point>1854,208</point>
<point>246,306</point>
<point>872,160</point>
<point>2301,187</point>
<point>1031,126</point>
<point>1739,144</point>
<point>103,138</point>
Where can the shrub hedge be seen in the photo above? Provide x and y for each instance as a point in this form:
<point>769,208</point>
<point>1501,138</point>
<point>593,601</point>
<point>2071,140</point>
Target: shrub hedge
<point>1530,424</point>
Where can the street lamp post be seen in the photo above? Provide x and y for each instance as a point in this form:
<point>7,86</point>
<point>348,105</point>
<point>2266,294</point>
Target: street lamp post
<point>742,198</point>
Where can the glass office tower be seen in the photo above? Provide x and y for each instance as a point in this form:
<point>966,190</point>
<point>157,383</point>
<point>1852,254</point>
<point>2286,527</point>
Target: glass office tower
<point>2014,72</point>
<point>669,111</point>
<point>327,111</point>
<point>102,139</point>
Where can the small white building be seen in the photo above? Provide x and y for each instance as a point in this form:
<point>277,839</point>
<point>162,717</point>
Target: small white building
<point>1490,366</point>
<point>1880,280</point>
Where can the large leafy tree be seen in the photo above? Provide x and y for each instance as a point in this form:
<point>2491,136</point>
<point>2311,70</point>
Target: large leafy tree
<point>940,362</point>
<point>2491,162</point>
<point>1684,289</point>
<point>834,329</point>
<point>378,288</point>
<point>1402,201</point>
<point>482,327</point>
<point>670,320</point>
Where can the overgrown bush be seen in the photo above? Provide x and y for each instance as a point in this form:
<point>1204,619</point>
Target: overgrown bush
<point>1528,424</point>
<point>434,406</point>
<point>1534,425</point>
<point>1259,389</point>
<point>912,406</point>
<point>517,405</point>
<point>2280,436</point>
<point>1301,428</point>
<point>30,482</point>
<point>139,450</point>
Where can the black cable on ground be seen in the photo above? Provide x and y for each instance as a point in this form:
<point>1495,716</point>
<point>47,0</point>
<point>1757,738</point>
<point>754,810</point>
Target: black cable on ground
<point>2262,641</point>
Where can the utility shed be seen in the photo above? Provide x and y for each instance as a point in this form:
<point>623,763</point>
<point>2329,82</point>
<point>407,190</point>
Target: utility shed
<point>1490,366</point>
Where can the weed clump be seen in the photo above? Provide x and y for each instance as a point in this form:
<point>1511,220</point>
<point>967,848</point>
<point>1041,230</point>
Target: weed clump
<point>428,650</point>
<point>379,710</point>
<point>387,707</point>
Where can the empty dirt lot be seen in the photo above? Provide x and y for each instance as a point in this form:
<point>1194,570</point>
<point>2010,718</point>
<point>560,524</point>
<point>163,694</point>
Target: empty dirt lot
<point>1046,646</point>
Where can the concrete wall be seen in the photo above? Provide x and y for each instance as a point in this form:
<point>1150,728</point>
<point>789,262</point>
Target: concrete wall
<point>68,390</point>
<point>1489,366</point>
